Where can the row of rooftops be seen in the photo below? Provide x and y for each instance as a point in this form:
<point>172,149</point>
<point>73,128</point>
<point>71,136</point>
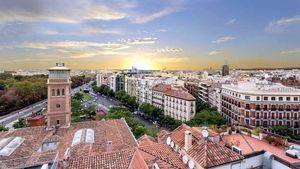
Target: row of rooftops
<point>174,91</point>
<point>110,144</point>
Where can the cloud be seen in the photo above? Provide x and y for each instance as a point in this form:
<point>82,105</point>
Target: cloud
<point>139,41</point>
<point>216,52</point>
<point>290,52</point>
<point>150,17</point>
<point>172,59</point>
<point>282,24</point>
<point>56,11</point>
<point>162,30</point>
<point>224,39</point>
<point>231,21</point>
<point>74,45</point>
<point>169,50</point>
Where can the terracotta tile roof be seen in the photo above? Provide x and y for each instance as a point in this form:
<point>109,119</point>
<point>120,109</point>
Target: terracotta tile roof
<point>162,155</point>
<point>28,154</point>
<point>180,93</point>
<point>112,160</point>
<point>145,140</point>
<point>162,87</point>
<point>257,145</point>
<point>207,154</point>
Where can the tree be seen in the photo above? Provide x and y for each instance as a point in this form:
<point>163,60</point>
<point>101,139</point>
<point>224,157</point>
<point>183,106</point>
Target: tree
<point>200,105</point>
<point>139,131</point>
<point>111,93</point>
<point>282,130</point>
<point>90,111</point>
<point>206,117</point>
<point>3,128</point>
<point>21,123</point>
<point>78,96</point>
<point>137,128</point>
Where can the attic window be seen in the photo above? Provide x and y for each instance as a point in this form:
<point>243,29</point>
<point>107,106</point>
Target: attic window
<point>10,145</point>
<point>48,146</point>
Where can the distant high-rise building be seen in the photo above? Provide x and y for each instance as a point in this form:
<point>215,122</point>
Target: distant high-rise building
<point>59,96</point>
<point>225,70</point>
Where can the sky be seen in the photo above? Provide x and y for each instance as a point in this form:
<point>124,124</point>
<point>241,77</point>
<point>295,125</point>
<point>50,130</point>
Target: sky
<point>149,34</point>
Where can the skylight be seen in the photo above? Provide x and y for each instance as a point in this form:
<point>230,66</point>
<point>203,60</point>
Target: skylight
<point>11,146</point>
<point>89,138</point>
<point>86,135</point>
<point>77,137</point>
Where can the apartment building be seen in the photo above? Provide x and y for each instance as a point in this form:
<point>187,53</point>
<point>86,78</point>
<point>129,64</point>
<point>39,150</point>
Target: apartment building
<point>130,85</point>
<point>262,104</point>
<point>144,89</point>
<point>179,104</point>
<point>192,87</point>
<point>117,82</point>
<point>103,79</point>
<point>203,90</point>
<point>158,94</point>
<point>214,98</point>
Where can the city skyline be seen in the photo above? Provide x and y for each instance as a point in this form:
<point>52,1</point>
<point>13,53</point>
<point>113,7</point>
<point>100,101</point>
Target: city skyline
<point>118,34</point>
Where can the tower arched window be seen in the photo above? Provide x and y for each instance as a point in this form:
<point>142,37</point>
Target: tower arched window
<point>53,92</point>
<point>57,92</point>
<point>63,92</point>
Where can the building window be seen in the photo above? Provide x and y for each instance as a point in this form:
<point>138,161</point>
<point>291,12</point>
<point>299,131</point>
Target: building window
<point>57,92</point>
<point>247,97</point>
<point>57,121</point>
<point>247,106</point>
<point>273,98</point>
<point>280,98</point>
<point>257,98</point>
<point>288,98</point>
<point>265,98</point>
<point>57,105</point>
<point>63,92</point>
<point>295,98</point>
<point>53,92</point>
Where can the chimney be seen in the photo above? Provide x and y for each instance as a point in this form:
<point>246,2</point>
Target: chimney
<point>187,140</point>
<point>109,146</point>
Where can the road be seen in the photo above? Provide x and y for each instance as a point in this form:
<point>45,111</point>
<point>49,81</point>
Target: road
<point>10,118</point>
<point>104,103</point>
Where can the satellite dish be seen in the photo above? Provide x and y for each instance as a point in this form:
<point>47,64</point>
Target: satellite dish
<point>205,133</point>
<point>172,144</point>
<point>185,159</point>
<point>191,164</point>
<point>169,140</point>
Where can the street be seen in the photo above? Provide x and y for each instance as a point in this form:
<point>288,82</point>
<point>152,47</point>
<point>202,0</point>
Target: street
<point>101,102</point>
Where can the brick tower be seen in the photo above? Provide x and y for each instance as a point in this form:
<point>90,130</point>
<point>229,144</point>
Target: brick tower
<point>59,96</point>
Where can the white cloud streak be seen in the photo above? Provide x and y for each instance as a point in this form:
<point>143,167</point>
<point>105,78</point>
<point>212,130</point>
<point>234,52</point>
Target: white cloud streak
<point>231,21</point>
<point>216,53</point>
<point>282,24</point>
<point>224,39</point>
<point>153,16</point>
<point>169,50</point>
<point>291,52</point>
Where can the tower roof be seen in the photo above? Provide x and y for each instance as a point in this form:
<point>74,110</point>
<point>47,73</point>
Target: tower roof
<point>59,66</point>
